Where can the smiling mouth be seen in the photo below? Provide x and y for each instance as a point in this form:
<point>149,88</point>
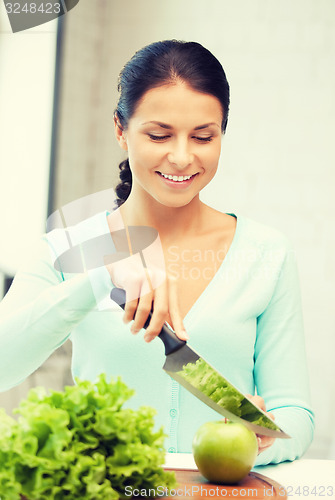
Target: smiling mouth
<point>176,178</point>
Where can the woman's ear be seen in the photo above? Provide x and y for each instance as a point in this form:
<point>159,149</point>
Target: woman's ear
<point>120,133</point>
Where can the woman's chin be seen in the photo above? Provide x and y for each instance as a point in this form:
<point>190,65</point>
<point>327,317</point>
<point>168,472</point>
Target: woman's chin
<point>175,202</point>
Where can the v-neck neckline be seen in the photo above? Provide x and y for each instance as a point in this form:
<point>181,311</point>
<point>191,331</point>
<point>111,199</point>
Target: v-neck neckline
<point>223,264</point>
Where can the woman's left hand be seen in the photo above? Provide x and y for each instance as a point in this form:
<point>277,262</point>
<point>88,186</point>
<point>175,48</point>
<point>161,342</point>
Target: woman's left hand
<point>264,442</point>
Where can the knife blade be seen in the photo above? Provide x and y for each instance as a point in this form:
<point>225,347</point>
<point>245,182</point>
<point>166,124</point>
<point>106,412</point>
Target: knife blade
<point>201,379</point>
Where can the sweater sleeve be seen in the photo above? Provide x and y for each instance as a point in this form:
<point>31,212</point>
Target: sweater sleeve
<point>39,312</point>
<point>280,369</point>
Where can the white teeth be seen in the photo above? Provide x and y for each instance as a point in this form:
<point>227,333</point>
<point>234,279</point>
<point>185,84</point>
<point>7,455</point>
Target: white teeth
<point>176,178</point>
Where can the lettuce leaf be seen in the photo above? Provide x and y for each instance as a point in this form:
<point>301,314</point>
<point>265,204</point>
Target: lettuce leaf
<point>80,443</point>
<point>202,376</point>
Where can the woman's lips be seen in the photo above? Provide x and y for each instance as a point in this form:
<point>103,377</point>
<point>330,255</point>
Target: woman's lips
<point>175,182</point>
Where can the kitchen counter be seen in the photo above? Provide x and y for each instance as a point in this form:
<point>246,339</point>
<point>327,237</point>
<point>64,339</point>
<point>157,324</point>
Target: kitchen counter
<point>301,478</point>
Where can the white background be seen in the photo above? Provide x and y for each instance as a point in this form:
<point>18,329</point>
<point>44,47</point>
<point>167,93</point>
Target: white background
<point>27,63</point>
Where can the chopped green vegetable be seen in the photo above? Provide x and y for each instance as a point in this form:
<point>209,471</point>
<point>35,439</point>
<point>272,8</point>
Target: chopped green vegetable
<point>80,443</point>
<point>202,376</point>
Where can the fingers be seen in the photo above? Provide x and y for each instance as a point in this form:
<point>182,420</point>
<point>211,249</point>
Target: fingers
<point>148,290</point>
<point>163,304</point>
<point>141,313</point>
<point>129,310</point>
<point>264,442</point>
<point>159,313</point>
<point>138,310</point>
<point>258,401</point>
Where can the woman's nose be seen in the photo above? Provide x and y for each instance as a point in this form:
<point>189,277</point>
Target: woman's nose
<point>180,155</point>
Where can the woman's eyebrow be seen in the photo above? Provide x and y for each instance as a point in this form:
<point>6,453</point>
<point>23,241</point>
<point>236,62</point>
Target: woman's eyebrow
<point>206,125</point>
<point>166,126</point>
<point>160,124</point>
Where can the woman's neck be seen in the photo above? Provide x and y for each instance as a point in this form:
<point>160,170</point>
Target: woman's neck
<point>170,222</point>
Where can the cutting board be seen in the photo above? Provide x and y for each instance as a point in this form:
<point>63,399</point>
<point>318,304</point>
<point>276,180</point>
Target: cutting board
<point>191,484</point>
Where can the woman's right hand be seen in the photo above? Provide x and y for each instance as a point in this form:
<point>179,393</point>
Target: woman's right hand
<point>147,289</point>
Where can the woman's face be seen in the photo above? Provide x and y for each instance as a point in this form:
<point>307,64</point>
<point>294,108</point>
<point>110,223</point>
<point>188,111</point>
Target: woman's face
<point>174,142</point>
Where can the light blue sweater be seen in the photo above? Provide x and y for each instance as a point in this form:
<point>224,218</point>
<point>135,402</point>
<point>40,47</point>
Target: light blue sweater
<point>247,324</point>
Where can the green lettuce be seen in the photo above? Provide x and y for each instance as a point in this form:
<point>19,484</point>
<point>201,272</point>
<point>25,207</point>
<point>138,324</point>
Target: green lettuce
<point>80,443</point>
<point>202,376</point>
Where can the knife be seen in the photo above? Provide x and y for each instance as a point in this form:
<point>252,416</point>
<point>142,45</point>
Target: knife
<point>191,371</point>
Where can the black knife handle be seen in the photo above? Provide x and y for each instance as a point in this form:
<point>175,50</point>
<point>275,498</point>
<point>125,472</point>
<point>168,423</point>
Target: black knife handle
<point>170,340</point>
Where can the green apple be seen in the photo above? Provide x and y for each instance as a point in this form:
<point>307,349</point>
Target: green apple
<point>224,451</point>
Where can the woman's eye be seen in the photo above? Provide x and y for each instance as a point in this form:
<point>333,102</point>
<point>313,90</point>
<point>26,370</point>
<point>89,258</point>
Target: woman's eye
<point>204,139</point>
<point>158,137</point>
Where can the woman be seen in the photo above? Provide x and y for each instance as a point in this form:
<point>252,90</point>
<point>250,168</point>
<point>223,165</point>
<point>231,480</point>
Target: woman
<point>227,281</point>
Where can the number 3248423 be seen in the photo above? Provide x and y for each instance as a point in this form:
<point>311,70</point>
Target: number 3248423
<point>304,491</point>
<point>33,8</point>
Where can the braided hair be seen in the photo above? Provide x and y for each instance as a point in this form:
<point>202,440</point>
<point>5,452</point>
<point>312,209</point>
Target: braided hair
<point>162,63</point>
<point>124,187</point>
